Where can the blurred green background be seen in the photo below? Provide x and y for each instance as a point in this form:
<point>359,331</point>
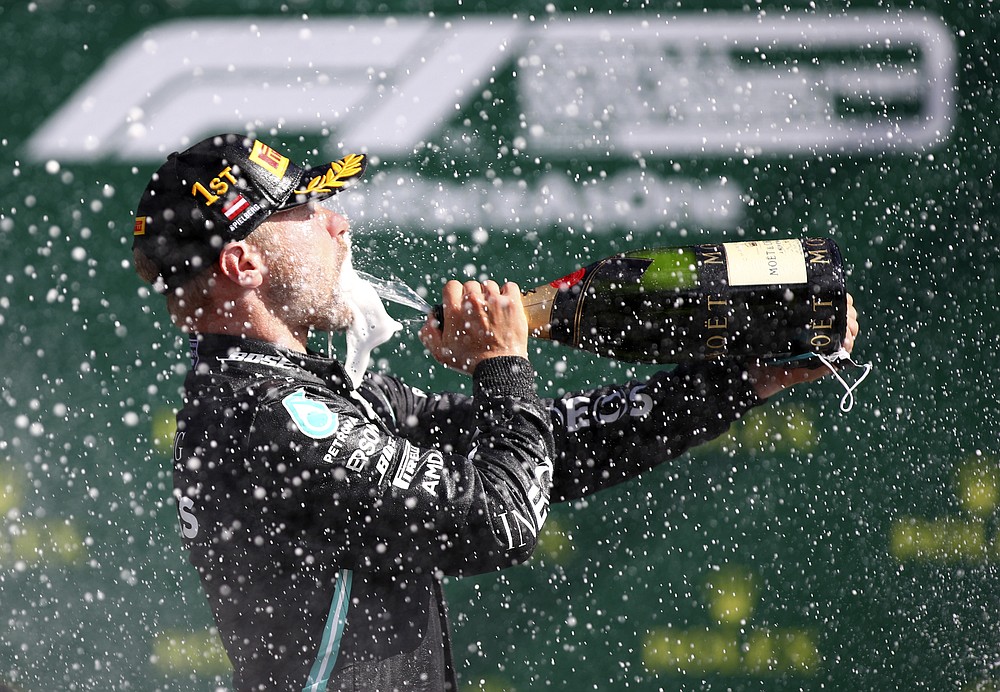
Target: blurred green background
<point>808,549</point>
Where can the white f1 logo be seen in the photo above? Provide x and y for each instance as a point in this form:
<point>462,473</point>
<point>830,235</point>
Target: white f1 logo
<point>664,86</point>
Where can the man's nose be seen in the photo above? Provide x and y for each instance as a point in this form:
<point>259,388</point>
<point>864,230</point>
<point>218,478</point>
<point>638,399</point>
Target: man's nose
<point>335,223</point>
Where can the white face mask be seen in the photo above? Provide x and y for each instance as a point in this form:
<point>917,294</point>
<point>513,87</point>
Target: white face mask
<point>371,324</point>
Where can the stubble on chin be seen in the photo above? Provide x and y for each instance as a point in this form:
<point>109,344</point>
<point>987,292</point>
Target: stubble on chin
<point>312,307</point>
<point>303,299</point>
<point>340,315</point>
<point>305,295</point>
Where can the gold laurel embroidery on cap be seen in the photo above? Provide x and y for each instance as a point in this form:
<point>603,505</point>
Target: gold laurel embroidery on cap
<point>339,173</point>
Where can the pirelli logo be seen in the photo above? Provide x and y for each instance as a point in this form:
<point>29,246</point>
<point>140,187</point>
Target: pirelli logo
<point>407,469</point>
<point>269,159</point>
<point>140,226</point>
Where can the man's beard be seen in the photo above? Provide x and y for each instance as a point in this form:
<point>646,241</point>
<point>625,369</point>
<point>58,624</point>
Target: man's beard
<point>304,301</point>
<point>343,302</point>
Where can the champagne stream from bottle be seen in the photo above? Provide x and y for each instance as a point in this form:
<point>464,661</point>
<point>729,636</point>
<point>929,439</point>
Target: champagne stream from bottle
<point>395,291</point>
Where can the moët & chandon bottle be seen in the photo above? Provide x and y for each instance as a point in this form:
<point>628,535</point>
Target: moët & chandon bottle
<point>757,299</point>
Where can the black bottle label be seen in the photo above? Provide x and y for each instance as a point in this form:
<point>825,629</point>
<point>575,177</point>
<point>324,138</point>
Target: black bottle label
<point>772,298</point>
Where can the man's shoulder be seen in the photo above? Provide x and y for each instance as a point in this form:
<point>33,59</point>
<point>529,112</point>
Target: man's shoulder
<point>245,363</point>
<point>228,373</point>
<point>254,387</point>
<point>268,406</point>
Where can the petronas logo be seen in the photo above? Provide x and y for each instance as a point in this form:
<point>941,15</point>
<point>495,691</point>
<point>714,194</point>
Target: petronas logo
<point>312,417</point>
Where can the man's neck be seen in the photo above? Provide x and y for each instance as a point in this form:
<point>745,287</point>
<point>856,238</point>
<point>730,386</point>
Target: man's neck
<point>278,334</point>
<point>252,321</point>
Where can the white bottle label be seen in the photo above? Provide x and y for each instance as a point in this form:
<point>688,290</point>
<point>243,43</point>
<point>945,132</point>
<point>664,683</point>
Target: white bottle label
<point>765,262</point>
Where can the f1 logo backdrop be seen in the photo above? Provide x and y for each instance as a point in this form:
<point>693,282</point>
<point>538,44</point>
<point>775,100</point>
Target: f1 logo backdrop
<point>712,84</point>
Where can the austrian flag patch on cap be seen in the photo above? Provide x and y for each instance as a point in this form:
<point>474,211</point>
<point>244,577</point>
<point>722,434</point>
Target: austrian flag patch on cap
<point>235,207</point>
<point>219,191</point>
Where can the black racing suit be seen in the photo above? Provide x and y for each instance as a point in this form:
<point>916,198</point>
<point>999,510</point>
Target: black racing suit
<point>321,520</point>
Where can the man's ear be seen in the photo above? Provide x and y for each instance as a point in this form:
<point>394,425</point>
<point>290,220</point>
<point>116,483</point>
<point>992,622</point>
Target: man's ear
<point>242,264</point>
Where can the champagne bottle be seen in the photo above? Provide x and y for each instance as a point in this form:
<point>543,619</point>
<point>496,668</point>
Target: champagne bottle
<point>759,299</point>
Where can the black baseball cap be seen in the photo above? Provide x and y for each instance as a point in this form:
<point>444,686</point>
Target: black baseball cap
<point>218,191</point>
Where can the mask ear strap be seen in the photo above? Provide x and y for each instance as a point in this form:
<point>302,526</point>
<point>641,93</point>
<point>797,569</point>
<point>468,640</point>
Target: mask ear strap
<point>846,401</point>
